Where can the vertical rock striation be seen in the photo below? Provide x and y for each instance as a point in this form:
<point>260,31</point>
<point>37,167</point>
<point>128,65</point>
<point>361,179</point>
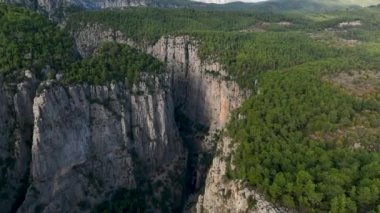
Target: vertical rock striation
<point>202,93</point>
<point>199,86</point>
<point>90,140</point>
<point>229,196</point>
<point>16,126</point>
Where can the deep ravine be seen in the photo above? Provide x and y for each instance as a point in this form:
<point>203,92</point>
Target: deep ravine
<point>87,141</point>
<point>203,105</point>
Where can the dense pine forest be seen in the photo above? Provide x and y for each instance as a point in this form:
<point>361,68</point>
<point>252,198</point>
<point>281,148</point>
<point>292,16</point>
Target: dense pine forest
<point>305,140</point>
<point>30,41</point>
<point>308,136</point>
<point>113,62</point>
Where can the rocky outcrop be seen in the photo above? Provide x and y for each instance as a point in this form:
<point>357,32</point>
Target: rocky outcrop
<point>224,195</point>
<point>89,141</point>
<point>16,126</point>
<point>91,36</point>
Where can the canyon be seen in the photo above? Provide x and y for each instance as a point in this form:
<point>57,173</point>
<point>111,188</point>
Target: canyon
<point>185,110</point>
<point>73,147</point>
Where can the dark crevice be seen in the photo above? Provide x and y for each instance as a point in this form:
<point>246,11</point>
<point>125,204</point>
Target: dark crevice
<point>21,192</point>
<point>34,4</point>
<point>25,131</point>
<point>187,59</point>
<point>192,135</point>
<point>24,182</point>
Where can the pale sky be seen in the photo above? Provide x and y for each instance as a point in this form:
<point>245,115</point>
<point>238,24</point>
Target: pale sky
<point>228,1</point>
<point>357,2</point>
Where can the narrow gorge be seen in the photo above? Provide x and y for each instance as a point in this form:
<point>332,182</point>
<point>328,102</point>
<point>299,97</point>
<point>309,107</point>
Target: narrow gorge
<point>203,98</point>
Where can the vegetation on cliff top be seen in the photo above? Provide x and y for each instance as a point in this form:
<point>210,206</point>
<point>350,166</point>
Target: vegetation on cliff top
<point>246,43</point>
<point>286,150</point>
<point>112,62</point>
<point>29,41</point>
<point>148,24</point>
<point>306,143</point>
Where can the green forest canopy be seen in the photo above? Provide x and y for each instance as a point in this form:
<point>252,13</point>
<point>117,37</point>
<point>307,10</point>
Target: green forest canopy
<point>30,41</point>
<point>112,62</point>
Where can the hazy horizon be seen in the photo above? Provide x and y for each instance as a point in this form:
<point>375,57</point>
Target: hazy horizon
<point>357,2</point>
<point>229,1</point>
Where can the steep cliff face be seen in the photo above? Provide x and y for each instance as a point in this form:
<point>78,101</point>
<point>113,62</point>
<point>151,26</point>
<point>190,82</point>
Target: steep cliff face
<point>199,86</point>
<point>200,90</point>
<point>202,93</point>
<point>91,140</point>
<point>16,126</point>
<point>224,195</point>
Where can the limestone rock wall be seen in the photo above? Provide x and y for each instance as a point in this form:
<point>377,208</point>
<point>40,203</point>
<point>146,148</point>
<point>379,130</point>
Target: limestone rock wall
<point>222,195</point>
<point>89,140</point>
<point>16,126</point>
<point>203,93</point>
<point>199,86</point>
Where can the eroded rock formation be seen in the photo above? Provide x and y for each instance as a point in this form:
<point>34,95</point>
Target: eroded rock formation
<point>224,195</point>
<point>89,141</point>
<point>16,126</point>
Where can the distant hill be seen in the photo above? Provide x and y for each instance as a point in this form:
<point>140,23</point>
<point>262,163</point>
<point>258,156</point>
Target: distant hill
<point>56,7</point>
<point>291,5</point>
